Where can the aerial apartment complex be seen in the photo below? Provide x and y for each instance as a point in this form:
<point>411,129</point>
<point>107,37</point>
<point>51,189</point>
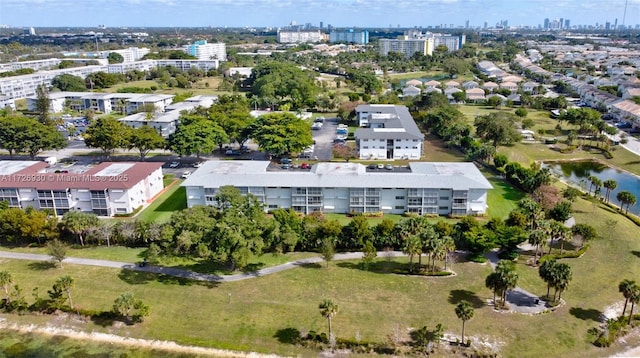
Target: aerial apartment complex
<point>420,188</point>
<point>105,190</point>
<point>300,36</point>
<point>424,43</point>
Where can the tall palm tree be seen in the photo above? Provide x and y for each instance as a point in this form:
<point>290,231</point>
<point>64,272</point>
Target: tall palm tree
<point>508,277</point>
<point>493,283</point>
<point>546,272</point>
<point>465,312</point>
<point>625,287</point>
<point>609,185</point>
<point>562,277</point>
<point>591,179</point>
<point>625,197</point>
<point>555,229</point>
<point>449,245</point>
<point>634,298</point>
<point>5,281</point>
<point>412,247</point>
<point>537,238</point>
<point>66,283</point>
<point>328,310</point>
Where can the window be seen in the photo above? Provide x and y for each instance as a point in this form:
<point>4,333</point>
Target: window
<point>399,197</point>
<point>273,206</point>
<point>443,208</point>
<point>444,198</point>
<point>398,147</point>
<point>121,210</point>
<point>399,207</point>
<point>365,147</point>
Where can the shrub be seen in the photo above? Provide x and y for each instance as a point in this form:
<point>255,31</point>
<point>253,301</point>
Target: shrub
<point>477,257</point>
<point>508,255</point>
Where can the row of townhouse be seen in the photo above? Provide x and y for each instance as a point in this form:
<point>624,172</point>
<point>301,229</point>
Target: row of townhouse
<point>473,89</point>
<point>105,190</point>
<point>387,132</point>
<point>421,188</point>
<point>18,87</point>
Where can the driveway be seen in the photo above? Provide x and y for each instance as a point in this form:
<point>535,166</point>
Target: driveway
<point>324,139</point>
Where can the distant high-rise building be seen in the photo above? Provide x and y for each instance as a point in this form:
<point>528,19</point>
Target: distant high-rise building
<point>321,25</point>
<point>206,51</point>
<point>298,36</point>
<point>567,23</point>
<point>486,24</point>
<point>424,43</point>
<point>607,25</point>
<point>615,24</point>
<point>29,31</point>
<point>351,36</point>
<point>561,23</point>
<point>546,23</point>
<point>466,24</point>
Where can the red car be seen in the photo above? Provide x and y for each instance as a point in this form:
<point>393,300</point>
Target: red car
<point>305,166</point>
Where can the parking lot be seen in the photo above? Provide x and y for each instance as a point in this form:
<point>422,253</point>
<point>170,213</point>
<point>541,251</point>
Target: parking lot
<point>323,138</point>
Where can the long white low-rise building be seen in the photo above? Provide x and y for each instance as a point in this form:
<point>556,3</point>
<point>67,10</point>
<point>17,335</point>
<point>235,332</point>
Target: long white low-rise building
<point>421,188</point>
<point>105,190</point>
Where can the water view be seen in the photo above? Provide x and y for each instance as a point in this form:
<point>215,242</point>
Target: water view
<point>578,173</point>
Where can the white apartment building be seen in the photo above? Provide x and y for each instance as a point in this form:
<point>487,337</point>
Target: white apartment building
<point>130,54</point>
<point>421,188</point>
<point>424,43</point>
<point>299,36</point>
<point>207,51</point>
<point>105,190</point>
<point>388,132</point>
<point>103,102</point>
<point>167,122</point>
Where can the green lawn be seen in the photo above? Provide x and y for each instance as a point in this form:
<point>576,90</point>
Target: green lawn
<point>174,198</point>
<point>503,198</point>
<point>113,253</point>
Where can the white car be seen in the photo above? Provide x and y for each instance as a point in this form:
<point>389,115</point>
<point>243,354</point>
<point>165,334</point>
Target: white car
<point>197,164</point>
<point>174,165</point>
<point>186,174</point>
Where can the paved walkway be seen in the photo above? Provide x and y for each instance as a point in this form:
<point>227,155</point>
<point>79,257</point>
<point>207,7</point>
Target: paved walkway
<point>519,300</point>
<point>190,274</point>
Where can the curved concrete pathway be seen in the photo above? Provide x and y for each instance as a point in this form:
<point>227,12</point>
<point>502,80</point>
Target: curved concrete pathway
<point>520,300</point>
<point>190,274</point>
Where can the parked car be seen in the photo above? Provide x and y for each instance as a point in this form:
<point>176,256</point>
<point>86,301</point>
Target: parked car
<point>624,125</point>
<point>174,165</point>
<point>285,161</point>
<point>285,166</point>
<point>380,166</point>
<point>305,166</point>
<point>186,174</point>
<point>197,164</point>
<point>319,120</point>
<point>371,166</point>
<point>232,152</point>
<point>388,167</point>
<point>316,126</point>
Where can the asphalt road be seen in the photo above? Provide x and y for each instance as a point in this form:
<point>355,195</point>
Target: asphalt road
<point>324,139</point>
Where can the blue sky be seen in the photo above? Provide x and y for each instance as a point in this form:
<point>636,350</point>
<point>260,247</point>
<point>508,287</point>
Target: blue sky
<point>340,13</point>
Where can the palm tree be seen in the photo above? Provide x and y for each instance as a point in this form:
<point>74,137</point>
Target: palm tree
<point>508,277</point>
<point>609,185</point>
<point>412,247</point>
<point>591,179</point>
<point>546,272</point>
<point>328,309</point>
<point>465,312</point>
<point>597,183</point>
<point>66,283</point>
<point>556,229</point>
<point>449,245</point>
<point>537,238</point>
<point>625,197</point>
<point>493,283</point>
<point>625,287</point>
<point>634,298</point>
<point>562,278</point>
<point>5,281</point>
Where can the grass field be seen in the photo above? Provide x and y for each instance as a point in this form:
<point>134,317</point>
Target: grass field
<point>174,198</point>
<point>199,88</point>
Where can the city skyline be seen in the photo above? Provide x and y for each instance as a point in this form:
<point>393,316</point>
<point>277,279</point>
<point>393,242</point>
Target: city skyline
<point>339,13</point>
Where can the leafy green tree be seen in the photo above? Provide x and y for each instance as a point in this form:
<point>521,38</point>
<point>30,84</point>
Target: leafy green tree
<point>369,254</point>
<point>585,231</point>
<point>65,284</point>
<point>455,66</point>
<point>626,287</point>
<point>521,112</point>
<point>282,134</point>
<point>108,134</point>
<point>115,57</point>
<point>57,250</point>
<point>145,139</point>
<point>328,250</point>
<point>43,104</point>
<point>328,310</point>
<point>196,135</point>
<point>561,212</point>
<point>356,232</point>
<point>497,128</point>
<point>464,311</point>
<point>39,137</point>
<point>69,83</point>
<point>493,101</point>
<point>5,282</point>
<point>79,223</point>
<point>285,82</point>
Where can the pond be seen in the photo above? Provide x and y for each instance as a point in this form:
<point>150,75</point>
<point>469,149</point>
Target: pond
<point>578,173</point>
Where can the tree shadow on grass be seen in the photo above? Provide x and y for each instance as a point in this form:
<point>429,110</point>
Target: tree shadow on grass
<point>42,265</point>
<point>140,278</point>
<point>313,265</point>
<point>586,314</point>
<point>287,335</point>
<point>456,296</point>
<point>636,253</point>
